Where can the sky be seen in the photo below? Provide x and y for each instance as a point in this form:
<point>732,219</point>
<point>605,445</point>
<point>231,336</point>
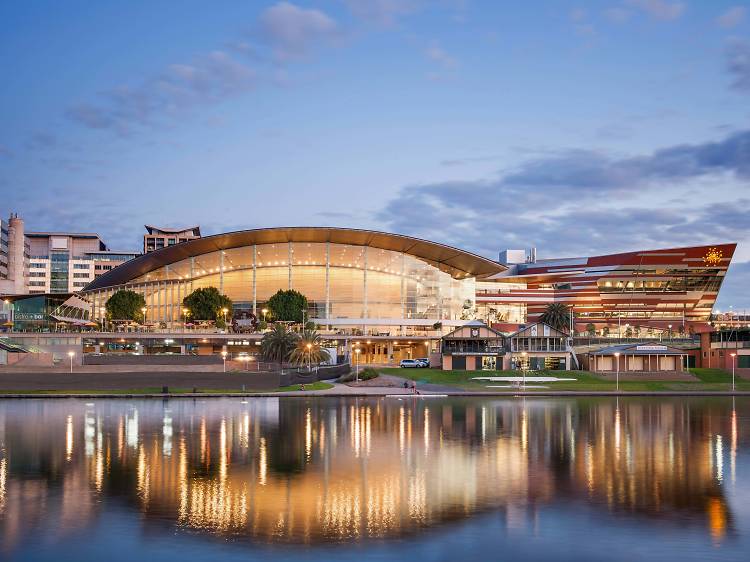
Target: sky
<point>579,128</point>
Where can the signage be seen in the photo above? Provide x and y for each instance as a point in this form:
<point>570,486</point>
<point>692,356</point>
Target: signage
<point>651,348</point>
<point>475,332</point>
<point>20,315</point>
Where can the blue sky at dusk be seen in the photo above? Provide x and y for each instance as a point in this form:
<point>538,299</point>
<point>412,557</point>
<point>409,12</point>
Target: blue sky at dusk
<point>576,127</point>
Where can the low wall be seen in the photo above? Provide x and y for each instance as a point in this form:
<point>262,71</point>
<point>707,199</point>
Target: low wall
<point>30,360</point>
<point>152,360</point>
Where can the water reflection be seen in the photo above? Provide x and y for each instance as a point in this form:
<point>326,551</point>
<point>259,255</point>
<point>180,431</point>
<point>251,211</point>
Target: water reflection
<point>322,470</point>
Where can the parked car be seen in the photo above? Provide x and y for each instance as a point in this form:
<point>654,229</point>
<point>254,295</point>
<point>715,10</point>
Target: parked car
<point>409,364</point>
<point>423,362</point>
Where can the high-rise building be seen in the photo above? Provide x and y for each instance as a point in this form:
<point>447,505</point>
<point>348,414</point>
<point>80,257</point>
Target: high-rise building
<point>157,238</point>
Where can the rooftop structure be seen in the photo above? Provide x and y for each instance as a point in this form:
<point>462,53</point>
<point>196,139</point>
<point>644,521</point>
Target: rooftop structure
<point>157,238</point>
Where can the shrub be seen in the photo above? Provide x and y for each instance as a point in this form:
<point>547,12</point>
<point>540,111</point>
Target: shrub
<point>364,375</point>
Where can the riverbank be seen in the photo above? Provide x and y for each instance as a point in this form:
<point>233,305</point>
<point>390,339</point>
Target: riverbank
<point>429,382</point>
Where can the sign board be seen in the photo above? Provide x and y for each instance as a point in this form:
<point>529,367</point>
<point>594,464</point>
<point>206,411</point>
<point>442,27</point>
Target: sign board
<point>20,315</point>
<point>651,348</point>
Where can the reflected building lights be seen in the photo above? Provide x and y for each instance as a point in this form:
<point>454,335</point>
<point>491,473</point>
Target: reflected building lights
<point>69,438</point>
<point>295,484</point>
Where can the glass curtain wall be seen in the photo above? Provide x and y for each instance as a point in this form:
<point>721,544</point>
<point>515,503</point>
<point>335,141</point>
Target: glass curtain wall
<point>340,282</point>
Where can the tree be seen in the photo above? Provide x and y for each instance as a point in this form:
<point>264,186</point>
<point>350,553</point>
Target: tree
<point>628,332</point>
<point>207,304</point>
<point>277,344</point>
<point>125,305</point>
<point>309,349</point>
<point>287,306</point>
<point>590,330</point>
<point>557,315</point>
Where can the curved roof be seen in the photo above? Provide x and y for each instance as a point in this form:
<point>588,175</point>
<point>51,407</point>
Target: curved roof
<point>458,262</point>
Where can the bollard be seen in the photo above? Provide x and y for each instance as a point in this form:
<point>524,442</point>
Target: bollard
<point>243,388</point>
<point>165,390</point>
<point>195,390</point>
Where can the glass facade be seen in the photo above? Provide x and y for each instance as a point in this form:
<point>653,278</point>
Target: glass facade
<point>59,272</point>
<point>341,282</point>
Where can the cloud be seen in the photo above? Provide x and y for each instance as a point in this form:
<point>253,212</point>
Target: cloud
<point>210,78</point>
<point>617,14</point>
<point>383,12</point>
<point>580,202</point>
<point>293,31</point>
<point>659,9</point>
<point>287,30</point>
<point>41,140</point>
<point>439,56</point>
<point>732,17</point>
<point>738,64</point>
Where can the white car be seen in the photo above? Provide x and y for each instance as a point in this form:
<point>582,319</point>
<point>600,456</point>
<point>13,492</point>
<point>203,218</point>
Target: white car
<point>409,364</point>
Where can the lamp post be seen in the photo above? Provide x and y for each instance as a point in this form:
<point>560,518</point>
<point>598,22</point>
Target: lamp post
<point>71,354</point>
<point>224,312</point>
<point>356,353</point>
<point>669,333</point>
<point>617,379</point>
<point>523,367</point>
<point>143,312</point>
<point>185,314</point>
<point>309,357</point>
<point>264,311</point>
<point>734,360</point>
<point>224,357</point>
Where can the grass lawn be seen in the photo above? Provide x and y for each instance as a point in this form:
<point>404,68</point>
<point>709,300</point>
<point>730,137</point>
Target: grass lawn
<point>157,390</point>
<point>708,379</point>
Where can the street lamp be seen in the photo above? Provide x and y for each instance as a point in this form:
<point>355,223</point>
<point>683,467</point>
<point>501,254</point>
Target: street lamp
<point>617,380</point>
<point>224,357</point>
<point>185,314</point>
<point>670,331</point>
<point>71,354</point>
<point>264,311</point>
<point>143,311</point>
<point>356,354</point>
<point>523,367</point>
<point>734,357</point>
<point>309,357</point>
<point>224,312</point>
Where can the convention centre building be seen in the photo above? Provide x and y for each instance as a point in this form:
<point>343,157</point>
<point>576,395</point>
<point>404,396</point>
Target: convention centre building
<point>366,282</point>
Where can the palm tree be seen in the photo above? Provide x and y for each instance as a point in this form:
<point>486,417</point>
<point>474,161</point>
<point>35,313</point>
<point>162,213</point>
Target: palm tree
<point>277,344</point>
<point>557,315</point>
<point>309,349</point>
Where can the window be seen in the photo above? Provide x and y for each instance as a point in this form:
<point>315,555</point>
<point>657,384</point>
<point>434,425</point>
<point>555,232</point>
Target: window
<point>80,275</point>
<point>79,284</point>
<point>37,273</point>
<point>81,266</point>
<point>37,283</point>
<point>38,265</point>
